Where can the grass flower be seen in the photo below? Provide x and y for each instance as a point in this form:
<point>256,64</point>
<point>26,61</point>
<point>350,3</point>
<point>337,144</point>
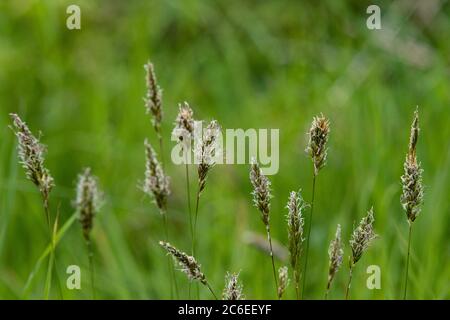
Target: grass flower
<point>188,265</point>
<point>360,241</point>
<point>233,289</point>
<point>153,98</point>
<point>156,183</point>
<point>412,195</point>
<point>336,254</point>
<point>31,156</point>
<point>283,281</point>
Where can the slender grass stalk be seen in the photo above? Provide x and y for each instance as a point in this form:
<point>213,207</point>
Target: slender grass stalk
<point>90,253</point>
<point>412,195</point>
<point>59,234</point>
<point>309,234</point>
<point>407,261</point>
<point>350,276</point>
<point>261,199</point>
<point>188,196</point>
<point>183,132</point>
<point>317,150</point>
<point>271,256</point>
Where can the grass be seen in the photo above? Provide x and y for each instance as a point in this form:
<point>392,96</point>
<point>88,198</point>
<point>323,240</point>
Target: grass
<point>248,67</point>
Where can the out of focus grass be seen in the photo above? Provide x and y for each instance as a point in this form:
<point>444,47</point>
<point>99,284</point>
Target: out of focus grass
<point>248,64</point>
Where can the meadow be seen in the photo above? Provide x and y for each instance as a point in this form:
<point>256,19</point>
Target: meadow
<point>247,64</point>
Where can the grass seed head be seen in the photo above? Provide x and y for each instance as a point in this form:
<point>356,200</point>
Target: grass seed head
<point>206,151</point>
<point>261,191</point>
<point>233,289</point>
<point>184,125</point>
<point>31,156</point>
<point>156,183</point>
<point>412,195</point>
<point>317,144</point>
<point>362,236</point>
<point>153,98</point>
<point>88,200</point>
<point>336,254</point>
<point>295,222</point>
<point>283,280</point>
<point>187,263</point>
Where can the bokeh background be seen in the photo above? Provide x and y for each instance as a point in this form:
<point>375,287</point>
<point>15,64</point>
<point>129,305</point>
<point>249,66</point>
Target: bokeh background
<point>248,64</point>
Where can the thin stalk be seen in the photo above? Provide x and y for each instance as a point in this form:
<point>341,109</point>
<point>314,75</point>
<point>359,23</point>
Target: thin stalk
<point>188,195</point>
<point>349,281</point>
<point>91,266</point>
<point>327,290</point>
<point>297,280</point>
<point>173,280</point>
<point>195,222</point>
<point>407,260</point>
<point>161,149</point>
<point>309,234</point>
<point>52,257</point>
<point>194,233</point>
<point>211,290</point>
<point>48,278</point>
<point>273,261</point>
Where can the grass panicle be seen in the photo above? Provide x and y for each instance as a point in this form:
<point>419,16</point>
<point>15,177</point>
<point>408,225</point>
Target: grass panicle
<point>153,98</point>
<point>156,183</point>
<point>183,131</point>
<point>233,288</point>
<point>317,144</point>
<point>188,265</point>
<point>88,201</point>
<point>362,237</point>
<point>336,254</point>
<point>295,222</point>
<point>31,156</point>
<point>412,195</point>
<point>283,281</point>
<point>206,151</point>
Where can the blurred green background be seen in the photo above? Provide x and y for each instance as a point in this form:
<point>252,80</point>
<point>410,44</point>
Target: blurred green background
<point>248,64</point>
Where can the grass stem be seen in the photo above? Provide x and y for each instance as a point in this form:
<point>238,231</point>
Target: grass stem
<point>309,234</point>
<point>350,275</point>
<point>272,258</point>
<point>407,260</point>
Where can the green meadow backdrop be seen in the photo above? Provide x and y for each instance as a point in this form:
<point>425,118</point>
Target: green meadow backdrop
<point>248,64</point>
